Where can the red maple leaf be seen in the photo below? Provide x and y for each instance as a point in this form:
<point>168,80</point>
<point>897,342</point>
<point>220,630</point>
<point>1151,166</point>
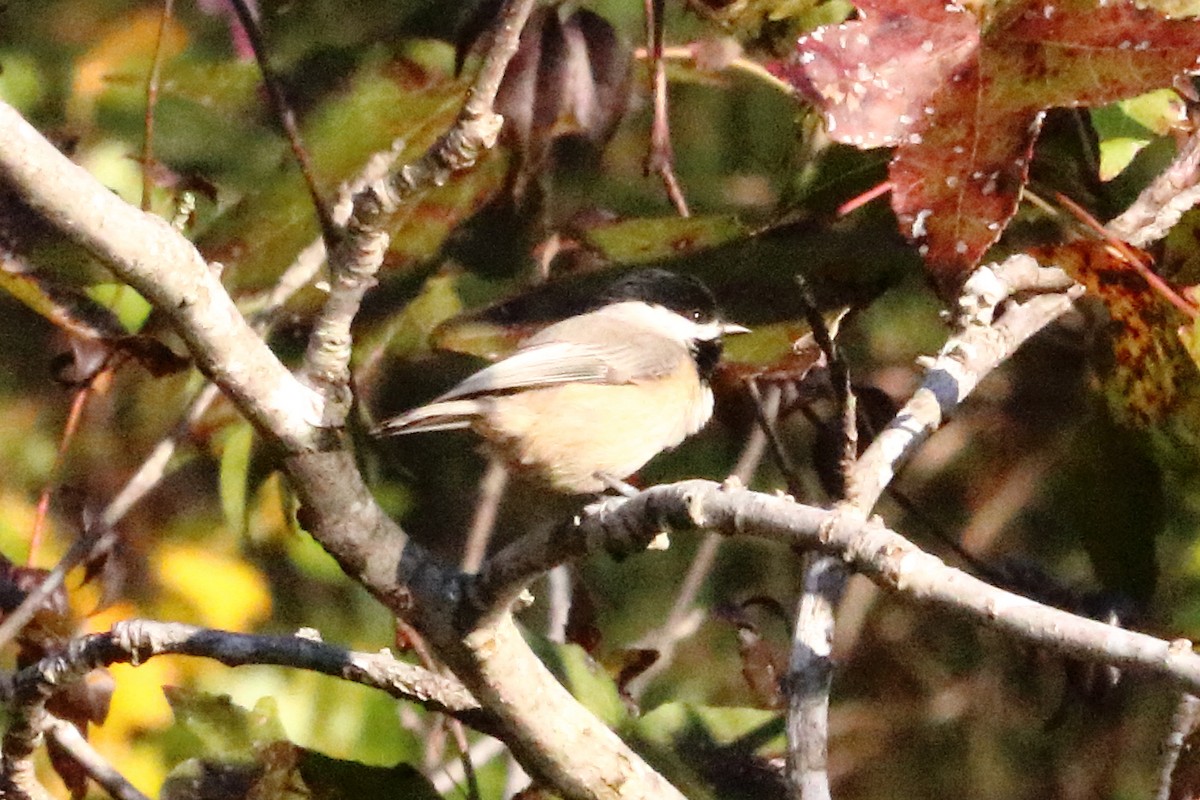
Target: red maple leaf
<point>962,99</point>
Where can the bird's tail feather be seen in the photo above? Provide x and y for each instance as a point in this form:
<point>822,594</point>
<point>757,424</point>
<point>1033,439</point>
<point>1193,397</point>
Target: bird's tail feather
<point>447,415</point>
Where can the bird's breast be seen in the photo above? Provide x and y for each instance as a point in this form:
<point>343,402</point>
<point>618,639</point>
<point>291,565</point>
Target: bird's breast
<point>566,435</point>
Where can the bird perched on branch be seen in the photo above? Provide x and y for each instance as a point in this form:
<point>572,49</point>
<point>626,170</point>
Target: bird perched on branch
<point>587,401</point>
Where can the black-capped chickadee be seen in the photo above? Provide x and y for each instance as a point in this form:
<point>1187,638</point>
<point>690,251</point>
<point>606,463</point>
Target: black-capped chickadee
<point>587,401</point>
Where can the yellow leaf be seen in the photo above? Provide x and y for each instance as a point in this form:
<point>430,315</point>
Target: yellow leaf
<point>127,47</point>
<point>221,590</point>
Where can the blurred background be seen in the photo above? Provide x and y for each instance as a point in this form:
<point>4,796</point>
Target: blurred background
<point>1036,480</point>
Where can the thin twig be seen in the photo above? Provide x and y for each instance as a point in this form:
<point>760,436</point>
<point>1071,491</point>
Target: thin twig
<point>684,615</point>
<point>660,160</point>
<point>286,117</point>
<point>434,744</point>
<point>43,504</point>
<point>487,507</point>
<point>152,81</point>
<point>136,641</point>
<point>68,737</point>
<point>359,253</point>
<point>768,425</point>
<point>96,538</point>
<point>746,66</point>
<point>558,602</point>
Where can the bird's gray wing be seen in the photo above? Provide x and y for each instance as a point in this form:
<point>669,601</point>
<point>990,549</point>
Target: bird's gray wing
<point>591,348</point>
<point>542,365</point>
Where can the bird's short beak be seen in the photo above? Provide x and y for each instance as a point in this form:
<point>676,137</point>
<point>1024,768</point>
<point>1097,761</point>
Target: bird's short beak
<point>730,328</point>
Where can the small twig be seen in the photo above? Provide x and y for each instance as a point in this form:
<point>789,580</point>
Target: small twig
<point>152,81</point>
<point>487,506</point>
<point>857,202</point>
<point>767,423</point>
<point>660,160</point>
<point>416,641</point>
<point>1135,260</point>
<point>843,391</point>
<point>136,641</point>
<point>452,775</point>
<point>746,66</point>
<point>359,253</point>
<point>1183,721</point>
<point>68,737</point>
<point>95,539</point>
<point>286,116</point>
<point>681,620</point>
<point>64,442</point>
<point>558,602</point>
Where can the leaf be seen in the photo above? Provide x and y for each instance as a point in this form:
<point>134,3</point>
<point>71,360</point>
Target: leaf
<point>584,678</point>
<point>221,727</point>
<point>338,779</point>
<point>1153,375</point>
<point>247,754</point>
<point>963,101</point>
<point>235,472</point>
<point>1124,128</point>
<point>93,330</point>
<point>643,240</point>
<point>405,101</point>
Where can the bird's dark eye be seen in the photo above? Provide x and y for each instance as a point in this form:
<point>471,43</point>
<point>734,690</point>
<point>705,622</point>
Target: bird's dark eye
<point>696,314</point>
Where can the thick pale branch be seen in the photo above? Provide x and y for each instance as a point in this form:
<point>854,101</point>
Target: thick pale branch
<point>166,268</point>
<point>556,740</point>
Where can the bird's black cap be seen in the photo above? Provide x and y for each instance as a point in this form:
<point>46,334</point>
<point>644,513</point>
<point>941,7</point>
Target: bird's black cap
<point>682,294</point>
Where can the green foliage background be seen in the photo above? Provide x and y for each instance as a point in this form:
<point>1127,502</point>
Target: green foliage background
<point>1032,471</point>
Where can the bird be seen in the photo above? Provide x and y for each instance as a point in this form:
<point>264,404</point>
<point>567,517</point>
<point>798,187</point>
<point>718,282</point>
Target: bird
<point>589,400</point>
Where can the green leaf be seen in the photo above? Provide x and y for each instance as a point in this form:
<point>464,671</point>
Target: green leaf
<point>390,104</point>
<point>718,725</point>
<point>235,471</point>
<point>130,307</point>
<point>222,728</point>
<point>639,241</point>
<point>1127,126</point>
<point>585,679</point>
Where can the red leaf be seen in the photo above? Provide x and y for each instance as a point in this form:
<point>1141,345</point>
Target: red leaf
<point>962,102</point>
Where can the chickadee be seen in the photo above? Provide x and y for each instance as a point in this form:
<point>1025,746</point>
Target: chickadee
<point>587,401</point>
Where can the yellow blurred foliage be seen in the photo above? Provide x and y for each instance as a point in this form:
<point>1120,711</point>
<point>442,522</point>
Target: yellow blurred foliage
<point>127,47</point>
<point>220,590</point>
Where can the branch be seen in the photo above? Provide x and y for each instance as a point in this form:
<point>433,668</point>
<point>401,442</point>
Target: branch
<point>136,641</point>
<point>810,664</point>
<point>68,737</point>
<point>557,741</point>
<point>978,347</point>
<point>355,260</point>
<point>1163,202</point>
<point>167,270</point>
<point>888,559</point>
<point>1183,722</point>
